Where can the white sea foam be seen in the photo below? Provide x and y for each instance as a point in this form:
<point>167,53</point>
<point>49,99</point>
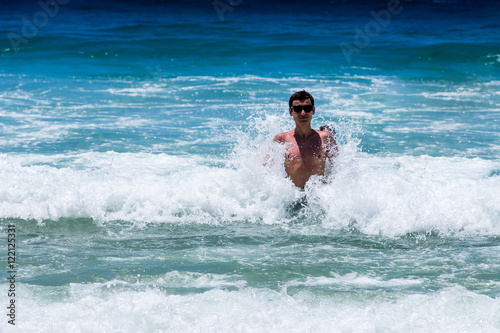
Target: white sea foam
<point>377,195</point>
<point>463,94</point>
<point>94,309</point>
<point>353,279</point>
<point>176,279</point>
<point>415,194</point>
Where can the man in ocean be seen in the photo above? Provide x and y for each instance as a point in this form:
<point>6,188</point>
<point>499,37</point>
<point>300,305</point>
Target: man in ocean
<point>307,150</point>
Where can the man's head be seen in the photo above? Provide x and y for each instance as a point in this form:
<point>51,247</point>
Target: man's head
<point>300,96</point>
<point>301,106</point>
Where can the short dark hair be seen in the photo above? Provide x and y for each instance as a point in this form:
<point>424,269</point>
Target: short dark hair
<point>300,96</point>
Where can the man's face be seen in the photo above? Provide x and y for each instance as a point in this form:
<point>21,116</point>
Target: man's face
<point>303,116</point>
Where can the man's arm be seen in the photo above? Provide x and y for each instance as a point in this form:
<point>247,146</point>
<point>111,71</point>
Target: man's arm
<point>331,148</point>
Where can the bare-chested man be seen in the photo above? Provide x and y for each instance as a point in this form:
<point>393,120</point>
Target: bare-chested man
<point>307,150</point>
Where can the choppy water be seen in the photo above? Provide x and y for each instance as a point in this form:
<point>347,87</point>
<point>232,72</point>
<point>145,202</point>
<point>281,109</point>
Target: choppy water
<point>131,148</point>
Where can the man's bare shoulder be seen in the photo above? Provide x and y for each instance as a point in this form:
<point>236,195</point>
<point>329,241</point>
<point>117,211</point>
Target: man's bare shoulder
<point>284,137</point>
<point>329,141</point>
<point>325,135</point>
<point>328,129</point>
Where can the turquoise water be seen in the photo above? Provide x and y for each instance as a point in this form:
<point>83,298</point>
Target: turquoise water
<point>131,163</point>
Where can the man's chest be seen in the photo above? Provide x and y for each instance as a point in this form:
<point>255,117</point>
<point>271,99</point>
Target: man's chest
<point>305,152</point>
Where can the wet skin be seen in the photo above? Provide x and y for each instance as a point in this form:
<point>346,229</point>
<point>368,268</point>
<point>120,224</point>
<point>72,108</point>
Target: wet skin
<point>307,150</point>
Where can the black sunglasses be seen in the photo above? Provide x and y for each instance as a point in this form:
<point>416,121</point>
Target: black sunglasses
<point>299,108</point>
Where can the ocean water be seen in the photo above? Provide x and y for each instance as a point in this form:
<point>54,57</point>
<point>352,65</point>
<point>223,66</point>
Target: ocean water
<point>132,141</point>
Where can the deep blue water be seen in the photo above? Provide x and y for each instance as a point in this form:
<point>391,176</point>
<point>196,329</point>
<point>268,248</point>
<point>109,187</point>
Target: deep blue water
<point>132,140</point>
